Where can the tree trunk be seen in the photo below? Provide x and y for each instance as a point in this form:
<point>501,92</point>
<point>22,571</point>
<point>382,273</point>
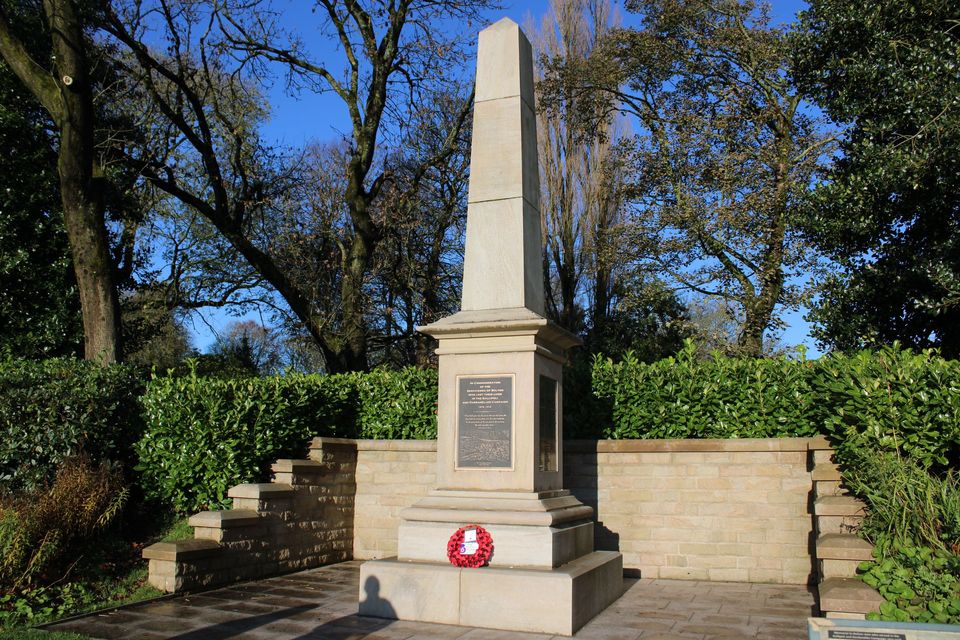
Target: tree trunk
<point>80,189</point>
<point>352,356</point>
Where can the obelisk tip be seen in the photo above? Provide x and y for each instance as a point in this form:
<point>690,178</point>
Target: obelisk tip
<point>503,23</point>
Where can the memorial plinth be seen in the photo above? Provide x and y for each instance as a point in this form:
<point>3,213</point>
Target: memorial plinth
<point>499,442</point>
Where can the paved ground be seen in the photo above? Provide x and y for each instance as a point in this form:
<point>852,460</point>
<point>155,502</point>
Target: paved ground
<point>322,603</point>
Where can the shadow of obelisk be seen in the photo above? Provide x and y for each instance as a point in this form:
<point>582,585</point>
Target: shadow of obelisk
<point>499,445</point>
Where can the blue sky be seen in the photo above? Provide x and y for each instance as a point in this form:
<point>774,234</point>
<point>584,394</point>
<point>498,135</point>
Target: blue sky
<point>306,117</point>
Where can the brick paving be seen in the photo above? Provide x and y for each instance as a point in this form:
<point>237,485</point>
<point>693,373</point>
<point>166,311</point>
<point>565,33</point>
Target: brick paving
<point>322,603</point>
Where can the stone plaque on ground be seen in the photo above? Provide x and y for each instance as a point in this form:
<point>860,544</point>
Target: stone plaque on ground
<point>831,629</point>
<point>485,422</point>
<point>548,424</point>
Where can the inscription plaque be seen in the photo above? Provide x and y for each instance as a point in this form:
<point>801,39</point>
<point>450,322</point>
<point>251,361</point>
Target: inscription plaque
<point>485,422</point>
<point>548,424</point>
<point>840,629</point>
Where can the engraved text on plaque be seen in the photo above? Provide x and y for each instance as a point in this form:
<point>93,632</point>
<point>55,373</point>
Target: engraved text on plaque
<point>485,422</point>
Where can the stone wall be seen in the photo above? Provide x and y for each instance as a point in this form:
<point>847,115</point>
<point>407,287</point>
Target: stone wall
<point>391,475</point>
<point>719,510</point>
<point>722,510</point>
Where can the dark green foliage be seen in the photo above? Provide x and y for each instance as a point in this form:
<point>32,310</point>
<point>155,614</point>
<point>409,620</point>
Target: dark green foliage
<point>585,415</point>
<point>648,319</point>
<point>39,304</point>
<point>52,409</point>
<point>889,213</point>
<point>685,397</point>
<point>397,404</point>
<point>205,435</point>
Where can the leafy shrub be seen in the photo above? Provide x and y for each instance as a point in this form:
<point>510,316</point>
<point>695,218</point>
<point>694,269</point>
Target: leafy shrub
<point>205,435</point>
<point>892,400</point>
<point>919,584</point>
<point>908,505</point>
<point>36,605</point>
<point>912,518</point>
<point>42,529</point>
<point>53,409</point>
<point>686,397</point>
<point>397,404</point>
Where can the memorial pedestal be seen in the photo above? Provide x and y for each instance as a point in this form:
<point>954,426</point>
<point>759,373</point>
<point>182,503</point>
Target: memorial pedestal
<point>499,466</point>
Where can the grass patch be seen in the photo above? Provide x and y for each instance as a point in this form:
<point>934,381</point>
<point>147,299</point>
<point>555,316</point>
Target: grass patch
<point>38,634</point>
<point>179,530</point>
<point>111,573</point>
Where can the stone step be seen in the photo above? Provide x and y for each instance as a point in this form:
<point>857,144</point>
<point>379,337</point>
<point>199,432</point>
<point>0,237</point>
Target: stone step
<point>823,456</point>
<point>261,491</point>
<point>823,488</point>
<point>848,595</point>
<point>294,473</point>
<point>839,506</point>
<point>181,550</point>
<point>826,471</point>
<point>288,465</point>
<point>840,546</point>
<point>829,568</point>
<point>265,497</point>
<point>225,519</point>
<point>842,615</point>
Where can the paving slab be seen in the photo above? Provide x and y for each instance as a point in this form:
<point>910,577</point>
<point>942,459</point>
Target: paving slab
<point>321,604</point>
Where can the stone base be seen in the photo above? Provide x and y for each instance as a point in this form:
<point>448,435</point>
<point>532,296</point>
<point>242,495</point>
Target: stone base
<point>530,529</point>
<point>557,601</point>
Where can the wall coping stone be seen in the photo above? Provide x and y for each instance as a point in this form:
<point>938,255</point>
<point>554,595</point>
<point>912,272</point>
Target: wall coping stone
<point>848,595</point>
<point>261,491</point>
<point>695,445</point>
<point>322,442</point>
<point>826,472</point>
<point>225,519</point>
<point>609,446</point>
<point>181,550</point>
<point>396,445</point>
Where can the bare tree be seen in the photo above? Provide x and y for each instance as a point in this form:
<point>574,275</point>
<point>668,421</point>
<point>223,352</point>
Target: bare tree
<point>580,174</point>
<point>393,60</point>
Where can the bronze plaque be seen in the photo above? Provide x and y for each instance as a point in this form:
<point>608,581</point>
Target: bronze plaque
<point>547,444</point>
<point>485,422</point>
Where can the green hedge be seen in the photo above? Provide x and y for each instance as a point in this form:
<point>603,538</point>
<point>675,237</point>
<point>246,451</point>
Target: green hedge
<point>204,435</point>
<point>397,404</point>
<point>52,409</point>
<point>685,397</point>
<point>889,400</point>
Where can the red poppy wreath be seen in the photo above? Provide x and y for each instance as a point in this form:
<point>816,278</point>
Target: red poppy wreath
<point>470,546</point>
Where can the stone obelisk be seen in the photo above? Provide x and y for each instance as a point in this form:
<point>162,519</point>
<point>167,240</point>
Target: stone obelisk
<point>499,443</point>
